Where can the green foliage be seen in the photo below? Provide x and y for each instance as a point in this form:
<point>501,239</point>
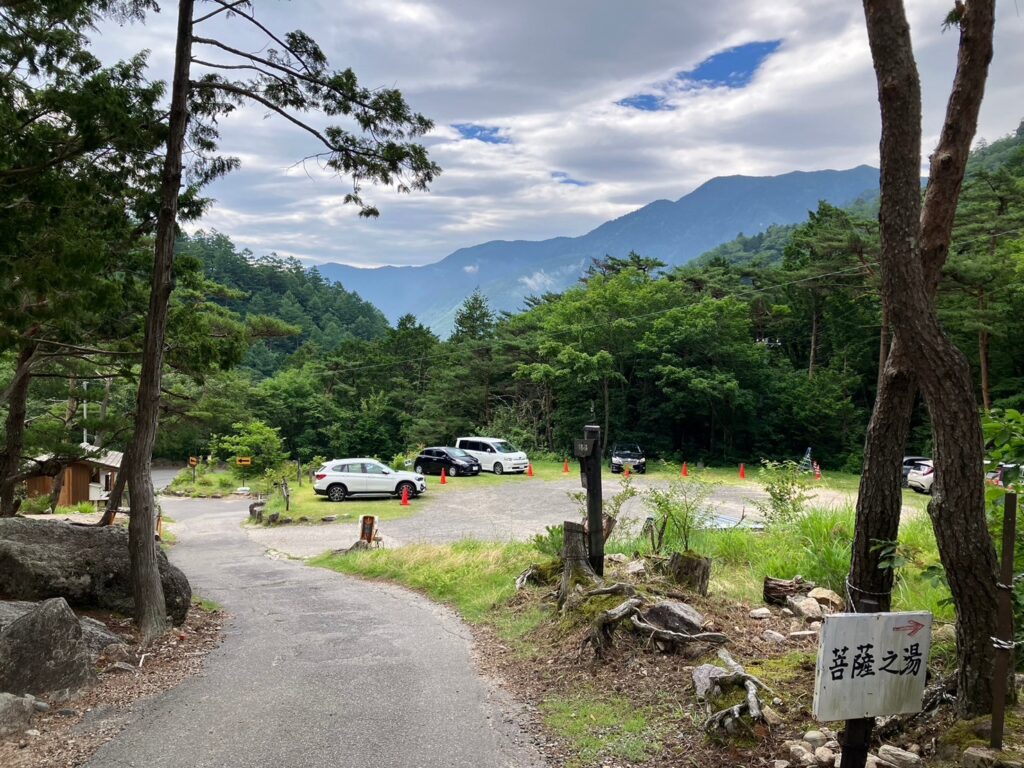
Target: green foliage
<point>679,511</point>
<point>254,439</point>
<point>786,485</point>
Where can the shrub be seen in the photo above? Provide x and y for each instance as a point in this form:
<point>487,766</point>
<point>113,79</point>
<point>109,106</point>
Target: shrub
<point>786,486</point>
<point>679,511</point>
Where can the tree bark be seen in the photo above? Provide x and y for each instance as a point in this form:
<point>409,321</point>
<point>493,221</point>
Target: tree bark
<point>915,244</point>
<point>150,613</point>
<point>576,568</point>
<point>986,394</point>
<point>690,571</point>
<point>884,342</point>
<point>814,341</point>
<point>14,435</point>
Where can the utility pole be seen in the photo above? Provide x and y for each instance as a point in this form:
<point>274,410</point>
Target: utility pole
<point>588,451</point>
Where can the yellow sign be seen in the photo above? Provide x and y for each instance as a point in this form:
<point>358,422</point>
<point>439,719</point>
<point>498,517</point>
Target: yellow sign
<point>192,461</point>
<point>244,461</point>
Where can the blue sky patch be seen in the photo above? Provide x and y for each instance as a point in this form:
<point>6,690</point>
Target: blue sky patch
<point>648,102</point>
<point>733,67</point>
<point>564,178</point>
<point>484,133</point>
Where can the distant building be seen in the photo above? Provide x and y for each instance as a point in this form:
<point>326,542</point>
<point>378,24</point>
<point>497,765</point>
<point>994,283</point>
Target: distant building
<point>86,479</point>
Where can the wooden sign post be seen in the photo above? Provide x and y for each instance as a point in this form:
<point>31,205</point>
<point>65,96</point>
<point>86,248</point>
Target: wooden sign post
<point>871,664</point>
<point>588,451</point>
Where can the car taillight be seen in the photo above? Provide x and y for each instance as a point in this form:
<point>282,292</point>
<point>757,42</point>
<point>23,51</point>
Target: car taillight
<point>928,470</point>
<point>320,477</point>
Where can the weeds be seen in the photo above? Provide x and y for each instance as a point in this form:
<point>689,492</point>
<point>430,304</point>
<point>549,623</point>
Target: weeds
<point>786,487</point>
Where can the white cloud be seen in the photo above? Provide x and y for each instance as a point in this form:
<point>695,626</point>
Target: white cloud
<point>538,281</point>
<point>548,76</point>
<point>471,269</point>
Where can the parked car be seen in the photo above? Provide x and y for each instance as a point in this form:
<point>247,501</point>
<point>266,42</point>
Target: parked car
<point>921,476</point>
<point>908,464</point>
<point>1002,475</point>
<point>341,478</point>
<point>627,455</point>
<point>494,454</point>
<point>454,461</point>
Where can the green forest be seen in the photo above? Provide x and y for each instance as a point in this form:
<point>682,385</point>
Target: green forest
<point>760,348</point>
<point>763,347</point>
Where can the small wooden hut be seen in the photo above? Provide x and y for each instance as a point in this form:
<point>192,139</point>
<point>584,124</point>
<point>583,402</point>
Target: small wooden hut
<point>87,479</point>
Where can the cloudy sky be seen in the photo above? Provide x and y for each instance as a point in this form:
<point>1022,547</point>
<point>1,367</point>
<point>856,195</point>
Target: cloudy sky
<point>553,116</point>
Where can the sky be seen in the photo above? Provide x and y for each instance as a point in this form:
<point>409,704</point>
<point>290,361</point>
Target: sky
<point>552,117</point>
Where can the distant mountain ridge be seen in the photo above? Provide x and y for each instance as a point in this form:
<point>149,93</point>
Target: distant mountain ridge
<point>673,231</point>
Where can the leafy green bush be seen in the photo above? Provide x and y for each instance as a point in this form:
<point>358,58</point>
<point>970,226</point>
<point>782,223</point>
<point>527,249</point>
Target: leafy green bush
<point>679,511</point>
<point>551,541</point>
<point>786,486</point>
<point>254,439</point>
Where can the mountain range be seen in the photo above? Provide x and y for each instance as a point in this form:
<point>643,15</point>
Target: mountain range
<point>673,231</point>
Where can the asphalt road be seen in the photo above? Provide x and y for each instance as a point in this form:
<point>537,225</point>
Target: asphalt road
<point>316,670</point>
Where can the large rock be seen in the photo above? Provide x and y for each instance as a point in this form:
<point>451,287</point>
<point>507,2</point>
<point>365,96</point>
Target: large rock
<point>676,616</point>
<point>828,599</point>
<point>43,652</point>
<point>901,758</point>
<point>982,757</point>
<point>806,608</point>
<point>94,633</point>
<point>15,714</point>
<point>87,566</point>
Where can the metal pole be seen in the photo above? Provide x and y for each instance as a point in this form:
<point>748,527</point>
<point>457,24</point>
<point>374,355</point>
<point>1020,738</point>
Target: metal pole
<point>595,509</point>
<point>1004,634</point>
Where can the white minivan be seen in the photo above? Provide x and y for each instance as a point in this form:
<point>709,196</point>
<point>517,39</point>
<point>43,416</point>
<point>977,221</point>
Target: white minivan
<point>495,455</point>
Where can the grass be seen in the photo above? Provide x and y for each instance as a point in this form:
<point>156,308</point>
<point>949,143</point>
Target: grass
<point>208,482</point>
<point>602,726</point>
<point>305,503</point>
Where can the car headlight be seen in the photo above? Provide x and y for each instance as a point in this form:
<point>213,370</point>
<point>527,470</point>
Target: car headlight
<point>616,460</point>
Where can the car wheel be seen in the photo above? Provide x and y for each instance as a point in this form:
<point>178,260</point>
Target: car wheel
<point>453,471</point>
<point>915,489</point>
<point>419,469</point>
<point>403,486</point>
<point>497,468</point>
<point>337,493</point>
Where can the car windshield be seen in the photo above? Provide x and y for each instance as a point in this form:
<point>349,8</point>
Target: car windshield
<point>504,447</point>
<point>458,453</point>
<point>626,448</point>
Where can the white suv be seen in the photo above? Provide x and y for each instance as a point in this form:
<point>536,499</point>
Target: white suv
<point>495,455</point>
<point>340,478</point>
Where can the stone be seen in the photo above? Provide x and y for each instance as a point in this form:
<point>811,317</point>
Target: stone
<point>781,764</point>
<point>944,633</point>
<point>828,599</point>
<point>41,706</point>
<point>15,714</point>
<point>815,739</point>
<point>329,518</point>
<point>116,652</point>
<point>88,567</point>
<point>120,666</point>
<point>806,634</point>
<point>901,758</point>
<point>786,613</point>
<point>771,716</point>
<point>676,616</point>
<point>44,652</point>
<point>95,633</point>
<point>775,637</point>
<point>815,625</point>
<point>67,712</point>
<point>876,762</point>
<point>797,753</point>
<point>636,568</point>
<point>761,613</point>
<point>32,732</point>
<point>982,757</point>
<point>825,756</point>
<point>617,557</point>
<point>806,608</point>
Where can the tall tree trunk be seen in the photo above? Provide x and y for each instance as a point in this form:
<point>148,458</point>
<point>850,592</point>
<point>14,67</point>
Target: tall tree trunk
<point>14,435</point>
<point>983,340</point>
<point>915,245</point>
<point>607,416</point>
<point>58,486</point>
<point>884,342</point>
<point>116,494</point>
<point>147,591</point>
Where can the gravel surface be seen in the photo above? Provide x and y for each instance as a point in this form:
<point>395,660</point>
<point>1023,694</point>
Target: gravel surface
<point>515,509</point>
<point>316,669</point>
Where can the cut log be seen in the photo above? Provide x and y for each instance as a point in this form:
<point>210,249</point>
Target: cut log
<point>776,591</point>
<point>691,571</point>
<point>576,569</point>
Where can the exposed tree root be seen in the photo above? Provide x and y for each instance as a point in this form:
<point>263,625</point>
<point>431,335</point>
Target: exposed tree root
<point>709,681</point>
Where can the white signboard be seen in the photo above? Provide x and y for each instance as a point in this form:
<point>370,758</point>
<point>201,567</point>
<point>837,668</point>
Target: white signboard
<point>871,664</point>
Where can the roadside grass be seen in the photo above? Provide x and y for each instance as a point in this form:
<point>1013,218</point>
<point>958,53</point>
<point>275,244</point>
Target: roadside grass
<point>203,604</point>
<point>209,482</point>
<point>602,726</point>
<point>305,503</point>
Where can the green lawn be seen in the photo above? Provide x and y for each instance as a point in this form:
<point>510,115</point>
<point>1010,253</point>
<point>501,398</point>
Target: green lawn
<point>305,503</point>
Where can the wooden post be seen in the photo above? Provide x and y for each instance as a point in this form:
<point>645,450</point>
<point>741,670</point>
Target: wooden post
<point>595,508</point>
<point>1004,638</point>
<point>855,737</point>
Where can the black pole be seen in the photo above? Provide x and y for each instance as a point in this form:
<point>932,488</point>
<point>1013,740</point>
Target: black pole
<point>855,737</point>
<point>595,509</point>
<point>1004,638</point>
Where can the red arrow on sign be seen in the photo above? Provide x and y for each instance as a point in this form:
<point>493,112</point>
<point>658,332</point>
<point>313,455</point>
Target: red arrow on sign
<point>911,629</point>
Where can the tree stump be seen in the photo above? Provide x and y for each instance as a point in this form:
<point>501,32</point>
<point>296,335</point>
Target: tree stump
<point>690,570</point>
<point>776,591</point>
<point>607,525</point>
<point>576,567</point>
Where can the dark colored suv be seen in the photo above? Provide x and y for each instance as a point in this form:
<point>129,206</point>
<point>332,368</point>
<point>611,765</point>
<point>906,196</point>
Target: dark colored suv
<point>628,455</point>
<point>455,461</point>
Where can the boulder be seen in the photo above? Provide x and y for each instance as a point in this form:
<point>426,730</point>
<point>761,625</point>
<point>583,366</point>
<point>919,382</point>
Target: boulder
<point>827,598</point>
<point>982,757</point>
<point>15,714</point>
<point>775,637</point>
<point>825,757</point>
<point>87,566</point>
<point>815,739</point>
<point>901,758</point>
<point>44,652</point>
<point>761,613</point>
<point>676,616</point>
<point>806,608</point>
<point>95,633</point>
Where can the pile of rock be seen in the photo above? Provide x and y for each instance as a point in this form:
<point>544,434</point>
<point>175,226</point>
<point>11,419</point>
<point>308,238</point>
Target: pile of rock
<point>820,749</point>
<point>805,613</point>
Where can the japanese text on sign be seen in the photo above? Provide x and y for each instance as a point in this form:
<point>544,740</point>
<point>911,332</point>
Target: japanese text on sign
<point>871,664</point>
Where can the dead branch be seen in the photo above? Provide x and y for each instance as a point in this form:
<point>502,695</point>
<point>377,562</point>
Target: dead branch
<point>619,588</point>
<point>673,639</point>
<point>531,574</point>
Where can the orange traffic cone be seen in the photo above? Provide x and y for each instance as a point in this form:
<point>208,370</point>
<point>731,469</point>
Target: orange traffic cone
<point>405,493</point>
<point>529,470</point>
<point>685,472</point>
<point>627,470</point>
<point>565,467</point>
<point>444,476</point>
<point>817,471</point>
<point>743,471</point>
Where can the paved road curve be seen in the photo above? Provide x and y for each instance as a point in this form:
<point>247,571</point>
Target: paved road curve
<point>316,670</point>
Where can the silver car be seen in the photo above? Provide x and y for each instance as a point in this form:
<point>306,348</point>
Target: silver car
<point>341,478</point>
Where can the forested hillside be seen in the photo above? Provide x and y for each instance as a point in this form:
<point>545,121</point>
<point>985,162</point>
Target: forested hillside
<point>764,346</point>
